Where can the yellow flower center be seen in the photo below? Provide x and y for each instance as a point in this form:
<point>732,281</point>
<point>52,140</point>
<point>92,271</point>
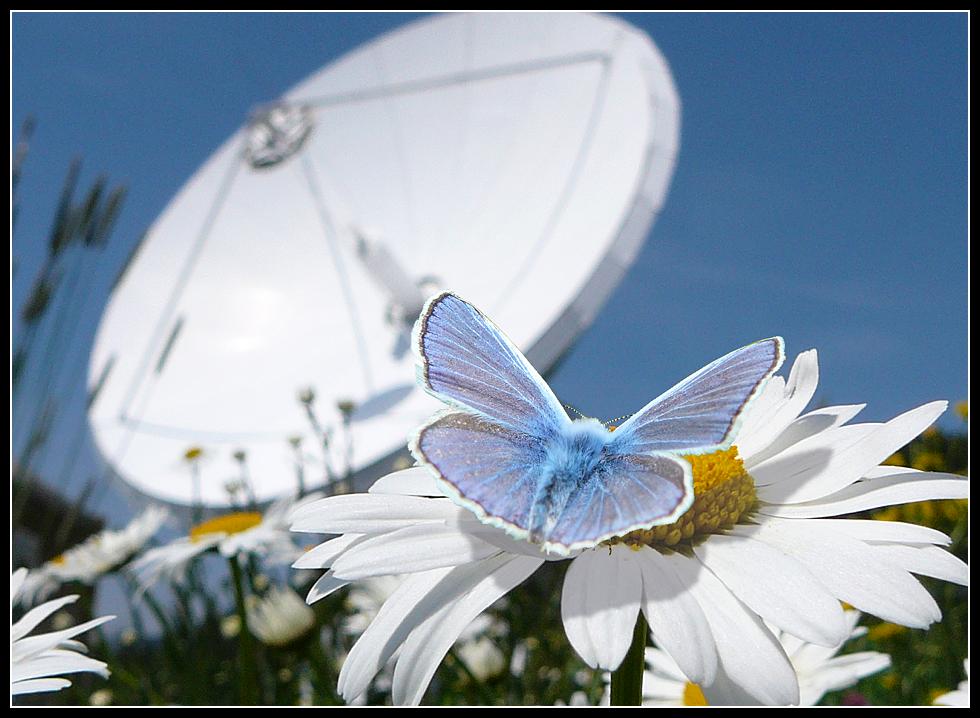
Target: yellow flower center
<point>59,560</point>
<point>723,493</point>
<point>693,695</point>
<point>227,524</point>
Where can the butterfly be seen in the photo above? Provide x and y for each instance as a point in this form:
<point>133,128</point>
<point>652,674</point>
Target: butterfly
<point>506,449</point>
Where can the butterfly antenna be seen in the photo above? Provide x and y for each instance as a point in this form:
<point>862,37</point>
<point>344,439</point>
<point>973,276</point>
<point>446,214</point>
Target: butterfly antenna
<point>616,420</point>
<point>572,408</point>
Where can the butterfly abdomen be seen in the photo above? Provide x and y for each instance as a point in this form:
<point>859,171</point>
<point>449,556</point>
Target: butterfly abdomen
<point>569,459</point>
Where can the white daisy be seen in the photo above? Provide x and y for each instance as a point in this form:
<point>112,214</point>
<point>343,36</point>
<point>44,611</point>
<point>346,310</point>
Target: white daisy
<point>961,696</point>
<point>233,534</point>
<point>280,617</point>
<point>95,556</point>
<point>818,668</point>
<point>37,662</point>
<point>759,544</point>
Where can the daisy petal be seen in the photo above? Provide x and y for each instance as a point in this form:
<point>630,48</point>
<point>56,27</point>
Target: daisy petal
<point>770,422</point>
<point>750,658</point>
<point>427,645</point>
<point>842,671</point>
<point>884,531</point>
<point>802,428</point>
<point>851,571</point>
<point>776,586</point>
<point>326,553</point>
<point>874,493</point>
<point>324,586</point>
<point>927,561</point>
<point>39,685</point>
<point>369,513</point>
<point>51,664</point>
<point>807,459</point>
<point>32,619</point>
<point>16,582</point>
<point>675,618</point>
<point>415,548</point>
<point>385,633</point>
<point>498,537</point>
<point>756,431</point>
<point>33,645</point>
<point>416,481</point>
<point>844,467</point>
<point>600,600</point>
<point>414,601</point>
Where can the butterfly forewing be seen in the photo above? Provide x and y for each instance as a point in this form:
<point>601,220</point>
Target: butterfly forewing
<point>464,359</point>
<point>700,413</point>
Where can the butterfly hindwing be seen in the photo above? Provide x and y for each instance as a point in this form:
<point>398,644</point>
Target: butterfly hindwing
<point>625,493</point>
<point>465,360</point>
<point>489,468</point>
<point>700,413</point>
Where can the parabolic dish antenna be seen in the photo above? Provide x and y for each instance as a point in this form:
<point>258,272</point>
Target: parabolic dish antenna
<point>518,159</point>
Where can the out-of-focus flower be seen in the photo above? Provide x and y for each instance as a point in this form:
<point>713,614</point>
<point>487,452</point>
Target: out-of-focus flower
<point>280,618</point>
<point>37,662</point>
<point>230,626</point>
<point>854,698</point>
<point>365,599</point>
<point>101,697</point>
<point>306,396</point>
<point>818,668</point>
<point>961,696</point>
<point>95,556</point>
<point>885,630</point>
<point>963,410</point>
<point>925,512</point>
<point>482,656</point>
<point>760,543</point>
<point>234,534</point>
<point>346,408</point>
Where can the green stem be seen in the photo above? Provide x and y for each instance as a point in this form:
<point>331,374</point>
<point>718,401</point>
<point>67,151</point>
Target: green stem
<point>169,636</point>
<point>627,680</point>
<point>247,680</point>
<point>321,674</point>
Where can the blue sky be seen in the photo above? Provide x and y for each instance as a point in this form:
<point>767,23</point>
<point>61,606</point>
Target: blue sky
<point>820,191</point>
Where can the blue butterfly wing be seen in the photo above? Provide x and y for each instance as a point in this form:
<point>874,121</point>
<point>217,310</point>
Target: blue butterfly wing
<point>625,493</point>
<point>700,414</point>
<point>465,360</point>
<point>487,467</point>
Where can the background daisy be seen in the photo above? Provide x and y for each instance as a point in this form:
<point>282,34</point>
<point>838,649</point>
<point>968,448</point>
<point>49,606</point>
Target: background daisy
<point>961,696</point>
<point>234,534</point>
<point>97,555</point>
<point>818,668</point>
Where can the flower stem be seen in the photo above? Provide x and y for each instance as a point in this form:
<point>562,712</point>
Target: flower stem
<point>247,679</point>
<point>627,680</point>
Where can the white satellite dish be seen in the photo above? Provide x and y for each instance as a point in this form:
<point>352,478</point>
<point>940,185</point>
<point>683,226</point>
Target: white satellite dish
<point>518,159</point>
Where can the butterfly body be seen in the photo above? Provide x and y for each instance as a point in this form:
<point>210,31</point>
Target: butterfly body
<point>569,459</point>
<point>507,450</point>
